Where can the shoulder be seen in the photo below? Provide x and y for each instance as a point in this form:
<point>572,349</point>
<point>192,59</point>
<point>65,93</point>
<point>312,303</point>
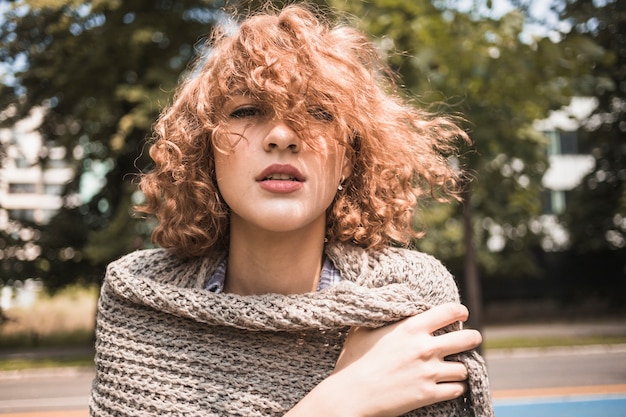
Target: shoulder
<point>421,272</point>
<point>144,261</point>
<point>140,257</point>
<point>163,266</point>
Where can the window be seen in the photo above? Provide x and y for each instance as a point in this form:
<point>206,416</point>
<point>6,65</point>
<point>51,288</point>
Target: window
<point>562,142</point>
<point>22,215</point>
<point>21,188</point>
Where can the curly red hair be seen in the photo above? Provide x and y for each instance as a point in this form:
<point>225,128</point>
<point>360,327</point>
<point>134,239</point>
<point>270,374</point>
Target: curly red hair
<point>290,58</point>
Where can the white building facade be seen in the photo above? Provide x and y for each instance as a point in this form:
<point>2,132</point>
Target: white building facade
<point>32,175</point>
<point>567,165</point>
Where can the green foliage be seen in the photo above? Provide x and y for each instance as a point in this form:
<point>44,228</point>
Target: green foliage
<point>103,69</point>
<point>501,85</point>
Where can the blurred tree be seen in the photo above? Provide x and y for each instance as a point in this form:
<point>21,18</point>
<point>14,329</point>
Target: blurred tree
<point>596,215</point>
<point>102,69</point>
<point>501,84</point>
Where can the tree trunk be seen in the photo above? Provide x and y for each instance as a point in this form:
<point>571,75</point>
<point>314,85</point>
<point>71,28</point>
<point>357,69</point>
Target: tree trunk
<point>472,296</point>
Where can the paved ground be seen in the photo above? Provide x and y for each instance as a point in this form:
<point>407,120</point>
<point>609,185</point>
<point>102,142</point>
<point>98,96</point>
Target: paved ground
<point>585,381</point>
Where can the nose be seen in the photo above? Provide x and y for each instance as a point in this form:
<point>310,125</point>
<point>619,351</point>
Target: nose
<point>281,137</point>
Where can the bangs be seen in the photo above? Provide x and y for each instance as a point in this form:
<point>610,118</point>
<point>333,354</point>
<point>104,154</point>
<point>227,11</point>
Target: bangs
<point>293,64</point>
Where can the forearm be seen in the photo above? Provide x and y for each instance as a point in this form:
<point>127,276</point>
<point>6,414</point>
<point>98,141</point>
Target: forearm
<point>331,398</point>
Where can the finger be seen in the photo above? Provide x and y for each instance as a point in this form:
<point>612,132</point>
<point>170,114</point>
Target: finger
<point>439,316</point>
<point>458,341</point>
<point>451,390</point>
<point>450,371</point>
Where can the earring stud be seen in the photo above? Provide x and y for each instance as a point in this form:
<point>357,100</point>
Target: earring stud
<point>340,186</point>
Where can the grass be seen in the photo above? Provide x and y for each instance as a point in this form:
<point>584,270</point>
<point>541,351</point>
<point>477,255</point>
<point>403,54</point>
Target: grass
<point>35,339</point>
<point>55,331</point>
<point>546,342</point>
<point>41,363</point>
<point>65,319</point>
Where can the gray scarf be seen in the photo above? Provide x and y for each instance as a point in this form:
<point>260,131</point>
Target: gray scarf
<point>166,346</point>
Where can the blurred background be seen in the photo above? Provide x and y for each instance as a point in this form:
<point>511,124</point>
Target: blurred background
<point>540,233</point>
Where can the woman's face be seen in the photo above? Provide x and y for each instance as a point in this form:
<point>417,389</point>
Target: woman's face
<point>272,179</point>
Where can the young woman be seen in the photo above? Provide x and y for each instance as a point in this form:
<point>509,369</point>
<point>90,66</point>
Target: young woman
<point>286,174</point>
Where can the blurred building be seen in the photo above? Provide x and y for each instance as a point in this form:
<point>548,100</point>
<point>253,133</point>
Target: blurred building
<point>33,174</point>
<point>568,166</point>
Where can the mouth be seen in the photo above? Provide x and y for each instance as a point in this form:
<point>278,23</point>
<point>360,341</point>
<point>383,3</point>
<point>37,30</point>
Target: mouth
<point>280,172</point>
<point>279,177</point>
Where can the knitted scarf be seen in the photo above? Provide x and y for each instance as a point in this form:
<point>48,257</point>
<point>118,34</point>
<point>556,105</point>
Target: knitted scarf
<point>165,346</point>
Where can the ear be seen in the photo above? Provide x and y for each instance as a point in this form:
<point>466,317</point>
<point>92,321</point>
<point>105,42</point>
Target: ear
<point>346,167</point>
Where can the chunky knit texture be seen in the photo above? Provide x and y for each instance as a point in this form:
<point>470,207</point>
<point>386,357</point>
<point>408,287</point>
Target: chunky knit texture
<point>167,347</point>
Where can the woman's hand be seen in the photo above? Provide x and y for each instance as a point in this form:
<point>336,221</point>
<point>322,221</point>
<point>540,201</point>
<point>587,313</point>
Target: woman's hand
<point>397,368</point>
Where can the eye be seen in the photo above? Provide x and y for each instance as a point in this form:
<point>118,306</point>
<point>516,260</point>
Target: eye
<point>321,114</point>
<point>245,112</point>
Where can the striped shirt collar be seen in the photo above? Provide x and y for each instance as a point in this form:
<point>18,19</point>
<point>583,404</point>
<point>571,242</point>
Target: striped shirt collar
<point>329,276</point>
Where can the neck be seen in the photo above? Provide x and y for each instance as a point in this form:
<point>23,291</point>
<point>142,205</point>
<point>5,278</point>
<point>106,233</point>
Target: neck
<point>279,263</point>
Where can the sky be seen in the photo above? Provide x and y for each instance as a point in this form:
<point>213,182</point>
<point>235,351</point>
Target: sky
<point>539,9</point>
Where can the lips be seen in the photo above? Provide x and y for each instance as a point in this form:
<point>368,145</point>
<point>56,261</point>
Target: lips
<point>280,172</point>
<point>280,179</point>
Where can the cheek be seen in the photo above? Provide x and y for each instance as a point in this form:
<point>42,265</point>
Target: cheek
<point>219,163</point>
<point>334,161</point>
<point>225,172</point>
<point>330,172</point>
